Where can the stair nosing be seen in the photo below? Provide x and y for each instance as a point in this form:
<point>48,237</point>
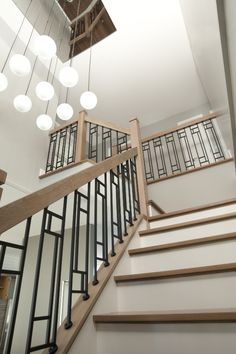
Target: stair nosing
<point>180,316</point>
<point>187,224</point>
<point>182,244</point>
<point>177,273</point>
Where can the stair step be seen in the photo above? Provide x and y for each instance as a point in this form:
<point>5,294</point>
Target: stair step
<point>177,273</point>
<point>182,244</point>
<point>193,209</point>
<point>183,225</point>
<point>181,316</point>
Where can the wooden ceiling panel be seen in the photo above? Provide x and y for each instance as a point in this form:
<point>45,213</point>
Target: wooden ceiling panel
<point>71,8</point>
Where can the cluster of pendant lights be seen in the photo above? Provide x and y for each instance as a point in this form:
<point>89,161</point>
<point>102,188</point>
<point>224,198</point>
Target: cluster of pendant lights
<point>20,65</point>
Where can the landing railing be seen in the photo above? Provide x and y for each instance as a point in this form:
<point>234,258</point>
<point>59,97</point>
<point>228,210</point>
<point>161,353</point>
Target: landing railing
<point>84,138</point>
<point>186,148</point>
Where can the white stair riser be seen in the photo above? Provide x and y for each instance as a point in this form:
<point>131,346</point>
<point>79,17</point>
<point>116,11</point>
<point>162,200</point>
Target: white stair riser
<point>196,256</point>
<point>190,232</point>
<point>166,339</point>
<point>194,216</point>
<point>196,292</point>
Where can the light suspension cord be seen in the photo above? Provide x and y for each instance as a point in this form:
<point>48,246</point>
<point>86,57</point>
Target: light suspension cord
<point>90,59</point>
<point>17,34</point>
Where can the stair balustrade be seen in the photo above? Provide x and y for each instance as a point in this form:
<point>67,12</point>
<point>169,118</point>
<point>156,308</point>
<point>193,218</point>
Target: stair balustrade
<point>186,148</point>
<point>105,200</point>
<point>84,138</point>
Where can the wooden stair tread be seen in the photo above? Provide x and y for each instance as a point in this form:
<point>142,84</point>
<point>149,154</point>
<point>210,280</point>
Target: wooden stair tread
<point>182,244</point>
<point>176,273</point>
<point>180,316</point>
<point>193,209</point>
<point>186,224</point>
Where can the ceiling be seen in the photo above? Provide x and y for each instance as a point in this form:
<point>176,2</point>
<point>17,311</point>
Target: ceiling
<point>145,69</point>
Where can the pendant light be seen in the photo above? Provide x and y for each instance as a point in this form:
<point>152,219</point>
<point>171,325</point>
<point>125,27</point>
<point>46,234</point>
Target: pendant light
<point>68,76</point>
<point>23,103</point>
<point>14,66</point>
<point>88,99</point>
<point>44,122</point>
<point>44,90</point>
<point>45,45</point>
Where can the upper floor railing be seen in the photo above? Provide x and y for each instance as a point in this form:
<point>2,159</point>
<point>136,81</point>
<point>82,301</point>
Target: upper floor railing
<point>186,148</point>
<point>84,138</point>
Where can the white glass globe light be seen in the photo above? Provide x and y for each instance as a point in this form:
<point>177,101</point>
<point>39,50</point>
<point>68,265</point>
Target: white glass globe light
<point>3,82</point>
<point>45,47</point>
<point>65,111</point>
<point>44,91</point>
<point>68,76</point>
<point>44,122</point>
<point>20,65</point>
<point>22,103</point>
<point>88,100</point>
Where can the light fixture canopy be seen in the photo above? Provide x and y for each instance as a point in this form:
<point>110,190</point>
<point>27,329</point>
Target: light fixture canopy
<point>45,47</point>
<point>68,76</point>
<point>44,91</point>
<point>44,122</point>
<point>20,65</point>
<point>22,103</point>
<point>65,111</point>
<point>3,82</point>
<point>88,100</point>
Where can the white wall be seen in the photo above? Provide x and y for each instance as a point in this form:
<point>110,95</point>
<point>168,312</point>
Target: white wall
<point>201,21</point>
<point>200,187</point>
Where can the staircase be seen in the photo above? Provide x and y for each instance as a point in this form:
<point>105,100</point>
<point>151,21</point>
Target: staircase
<point>174,290</point>
<point>108,271</point>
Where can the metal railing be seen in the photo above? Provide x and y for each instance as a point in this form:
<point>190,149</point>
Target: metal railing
<point>62,147</point>
<point>105,142</point>
<point>85,138</point>
<point>104,206</point>
<point>188,147</point>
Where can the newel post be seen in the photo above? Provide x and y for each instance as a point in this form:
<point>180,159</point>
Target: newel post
<point>142,185</point>
<point>81,137</point>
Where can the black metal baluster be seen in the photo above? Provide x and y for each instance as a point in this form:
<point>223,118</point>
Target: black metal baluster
<point>72,142</point>
<point>172,153</point>
<point>185,149</point>
<point>213,138</point>
<point>69,322</point>
<point>116,230</point>
<point>51,152</point>
<point>18,287</point>
<point>134,185</point>
<point>160,163</point>
<point>100,190</point>
<point>36,283</point>
<point>197,139</point>
<point>127,215</point>
<point>93,134</point>
<point>147,158</point>
<point>54,347</point>
<point>106,136</point>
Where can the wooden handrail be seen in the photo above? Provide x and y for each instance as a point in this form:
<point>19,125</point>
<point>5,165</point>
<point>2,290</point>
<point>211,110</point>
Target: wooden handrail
<point>21,209</point>
<point>107,125</point>
<point>90,28</point>
<point>182,126</point>
<point>62,126</point>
